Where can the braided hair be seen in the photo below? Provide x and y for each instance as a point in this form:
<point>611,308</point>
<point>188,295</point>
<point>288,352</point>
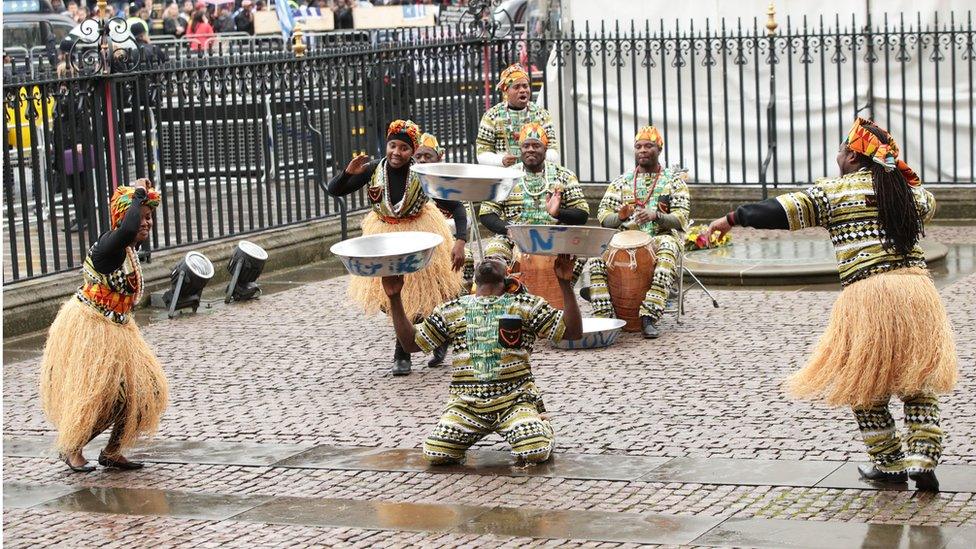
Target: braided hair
<point>897,211</point>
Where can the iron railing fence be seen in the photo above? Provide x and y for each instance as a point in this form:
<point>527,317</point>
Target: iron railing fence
<point>241,144</point>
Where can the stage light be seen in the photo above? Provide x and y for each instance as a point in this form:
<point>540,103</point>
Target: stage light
<point>245,267</point>
<point>188,279</point>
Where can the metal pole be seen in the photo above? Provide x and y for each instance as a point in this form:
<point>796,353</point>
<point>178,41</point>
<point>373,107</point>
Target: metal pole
<point>477,232</point>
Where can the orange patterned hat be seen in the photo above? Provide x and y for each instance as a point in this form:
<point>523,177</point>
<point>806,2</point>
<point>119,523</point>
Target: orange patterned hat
<point>862,141</point>
<point>650,133</point>
<point>404,130</point>
<point>533,130</point>
<point>122,199</point>
<point>429,141</point>
<point>510,75</point>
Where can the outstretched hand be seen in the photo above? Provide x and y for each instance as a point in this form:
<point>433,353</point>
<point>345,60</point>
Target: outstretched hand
<point>357,165</point>
<point>720,226</point>
<point>393,285</point>
<point>563,267</point>
<point>554,202</point>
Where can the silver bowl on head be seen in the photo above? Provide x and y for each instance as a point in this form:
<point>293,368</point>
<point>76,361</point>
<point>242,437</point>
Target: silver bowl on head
<point>597,333</point>
<point>578,240</point>
<point>466,182</point>
<point>387,254</point>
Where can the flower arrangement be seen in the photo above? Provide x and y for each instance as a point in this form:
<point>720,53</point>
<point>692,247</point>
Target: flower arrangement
<point>699,239</point>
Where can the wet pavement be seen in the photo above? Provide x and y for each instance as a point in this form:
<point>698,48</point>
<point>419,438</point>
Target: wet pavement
<point>285,428</point>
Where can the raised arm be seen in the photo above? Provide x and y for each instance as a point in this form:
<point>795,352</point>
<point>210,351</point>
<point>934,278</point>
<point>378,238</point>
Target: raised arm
<point>108,254</point>
<point>356,176</point>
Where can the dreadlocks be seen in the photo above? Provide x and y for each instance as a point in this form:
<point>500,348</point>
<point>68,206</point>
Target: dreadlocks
<point>897,211</point>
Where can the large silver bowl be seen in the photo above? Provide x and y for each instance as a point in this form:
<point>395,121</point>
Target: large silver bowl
<point>466,182</point>
<point>387,254</point>
<point>578,240</point>
<point>597,333</point>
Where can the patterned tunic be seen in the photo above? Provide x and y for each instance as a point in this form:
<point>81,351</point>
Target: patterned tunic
<point>669,184</point>
<point>413,202</point>
<point>498,132</point>
<point>115,294</point>
<point>846,207</point>
<point>523,207</point>
<point>448,324</point>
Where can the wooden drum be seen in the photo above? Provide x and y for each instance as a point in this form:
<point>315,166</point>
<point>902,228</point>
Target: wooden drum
<point>538,277</point>
<point>630,263</point>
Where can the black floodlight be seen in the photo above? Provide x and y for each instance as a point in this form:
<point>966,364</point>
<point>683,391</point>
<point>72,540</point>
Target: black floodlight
<point>245,267</point>
<point>188,279</point>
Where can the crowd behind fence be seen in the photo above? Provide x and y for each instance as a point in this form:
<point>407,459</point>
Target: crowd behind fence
<point>243,143</point>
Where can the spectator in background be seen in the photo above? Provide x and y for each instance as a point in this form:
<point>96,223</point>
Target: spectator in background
<point>81,15</point>
<point>244,18</point>
<point>173,24</point>
<point>260,5</point>
<point>58,6</point>
<point>225,20</point>
<point>135,19</point>
<point>186,14</point>
<point>343,14</point>
<point>200,33</point>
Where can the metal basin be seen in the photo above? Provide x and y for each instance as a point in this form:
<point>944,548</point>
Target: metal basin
<point>387,254</point>
<point>581,241</point>
<point>597,333</point>
<point>466,182</point>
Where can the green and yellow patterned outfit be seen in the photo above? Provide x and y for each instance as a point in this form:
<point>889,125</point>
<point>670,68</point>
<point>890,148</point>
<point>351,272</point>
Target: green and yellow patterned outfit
<point>888,332</point>
<point>492,387</point>
<point>526,204</point>
<point>499,129</point>
<point>668,195</point>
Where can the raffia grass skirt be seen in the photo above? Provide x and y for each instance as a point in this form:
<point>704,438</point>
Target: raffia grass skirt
<point>888,335</point>
<point>90,366</point>
<point>423,290</point>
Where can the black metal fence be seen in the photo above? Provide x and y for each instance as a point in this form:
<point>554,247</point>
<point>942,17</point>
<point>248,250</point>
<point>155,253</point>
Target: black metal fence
<point>242,144</point>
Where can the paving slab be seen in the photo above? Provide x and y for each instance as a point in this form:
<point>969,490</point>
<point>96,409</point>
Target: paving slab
<point>590,525</point>
<point>161,503</point>
<point>216,452</point>
<point>18,495</point>
<point>353,513</point>
<point>747,472</point>
<point>776,534</point>
<point>952,479</point>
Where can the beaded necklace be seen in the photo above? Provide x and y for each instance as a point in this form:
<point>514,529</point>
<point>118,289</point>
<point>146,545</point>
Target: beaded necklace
<point>137,269</point>
<point>650,194</point>
<point>534,209</point>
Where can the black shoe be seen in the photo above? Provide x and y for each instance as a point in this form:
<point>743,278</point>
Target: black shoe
<point>925,481</point>
<point>82,469</point>
<point>873,474</point>
<point>438,359</point>
<point>401,366</point>
<point>649,328</point>
<point>124,465</point>
<point>585,293</point>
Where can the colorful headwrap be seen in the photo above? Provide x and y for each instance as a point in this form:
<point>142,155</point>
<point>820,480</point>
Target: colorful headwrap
<point>862,141</point>
<point>533,130</point>
<point>650,133</point>
<point>429,141</point>
<point>510,75</point>
<point>122,199</point>
<point>404,130</point>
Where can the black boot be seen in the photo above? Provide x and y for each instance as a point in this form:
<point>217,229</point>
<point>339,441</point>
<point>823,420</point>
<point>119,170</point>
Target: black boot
<point>925,481</point>
<point>649,328</point>
<point>873,474</point>
<point>585,293</point>
<point>401,361</point>
<point>439,354</point>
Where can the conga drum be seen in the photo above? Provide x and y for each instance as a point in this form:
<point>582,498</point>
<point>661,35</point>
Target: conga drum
<point>630,263</point>
<point>539,278</point>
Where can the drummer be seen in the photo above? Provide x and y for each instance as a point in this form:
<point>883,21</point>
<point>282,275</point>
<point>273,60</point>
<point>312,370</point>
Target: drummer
<point>497,142</point>
<point>549,194</point>
<point>399,204</point>
<point>492,389</point>
<point>652,199</point>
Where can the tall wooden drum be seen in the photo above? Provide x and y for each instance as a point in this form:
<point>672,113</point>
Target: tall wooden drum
<point>538,277</point>
<point>630,263</point>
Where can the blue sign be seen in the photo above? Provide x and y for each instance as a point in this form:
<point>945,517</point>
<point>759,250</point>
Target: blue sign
<point>539,243</point>
<point>388,266</point>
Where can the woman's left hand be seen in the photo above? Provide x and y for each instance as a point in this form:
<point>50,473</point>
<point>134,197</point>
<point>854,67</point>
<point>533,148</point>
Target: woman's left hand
<point>457,255</point>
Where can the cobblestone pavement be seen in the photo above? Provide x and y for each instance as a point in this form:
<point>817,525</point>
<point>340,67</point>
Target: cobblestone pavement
<point>301,366</point>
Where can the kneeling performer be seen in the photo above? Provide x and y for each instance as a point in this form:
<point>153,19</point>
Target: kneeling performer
<point>492,389</point>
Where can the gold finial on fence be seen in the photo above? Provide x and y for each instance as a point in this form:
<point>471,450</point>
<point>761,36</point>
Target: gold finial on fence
<point>102,8</point>
<point>298,41</point>
<point>771,23</point>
